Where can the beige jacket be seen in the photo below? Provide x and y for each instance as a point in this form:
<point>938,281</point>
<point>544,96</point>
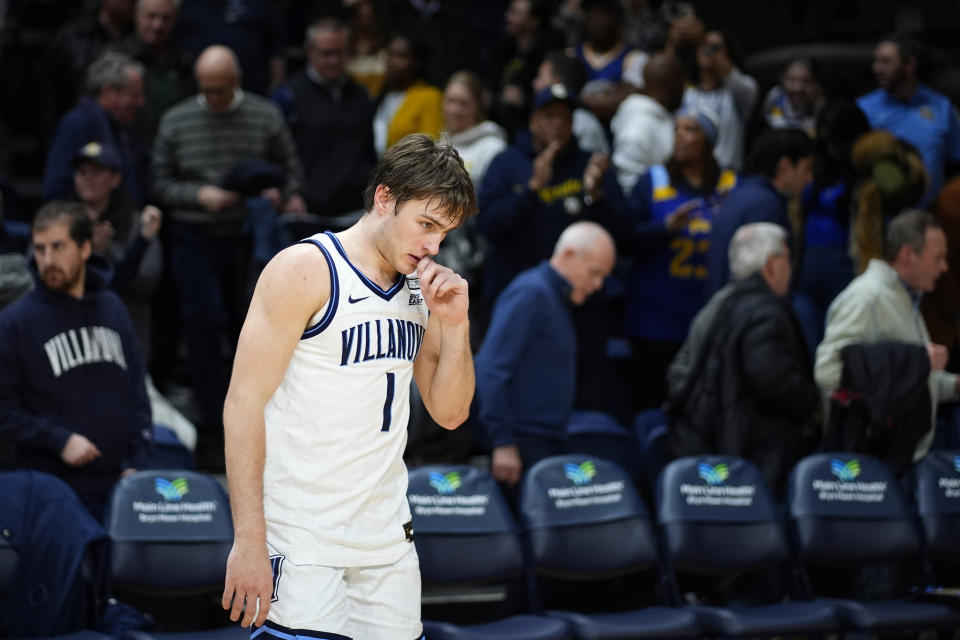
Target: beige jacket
<point>876,307</point>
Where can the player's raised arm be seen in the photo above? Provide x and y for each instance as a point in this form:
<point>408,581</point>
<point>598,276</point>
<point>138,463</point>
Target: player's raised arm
<point>292,287</point>
<point>444,368</point>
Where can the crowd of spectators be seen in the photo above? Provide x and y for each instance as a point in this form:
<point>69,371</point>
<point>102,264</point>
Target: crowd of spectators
<point>198,145</point>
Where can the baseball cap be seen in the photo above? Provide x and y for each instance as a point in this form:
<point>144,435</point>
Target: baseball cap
<point>554,93</point>
<point>103,154</point>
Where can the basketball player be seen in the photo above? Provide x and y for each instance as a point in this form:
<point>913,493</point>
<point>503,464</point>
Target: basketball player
<point>316,413</point>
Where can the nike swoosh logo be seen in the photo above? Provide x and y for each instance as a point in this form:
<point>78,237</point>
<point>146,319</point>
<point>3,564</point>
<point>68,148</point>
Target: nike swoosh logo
<point>352,300</point>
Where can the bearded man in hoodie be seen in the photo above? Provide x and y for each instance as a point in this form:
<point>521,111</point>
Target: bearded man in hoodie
<point>73,400</point>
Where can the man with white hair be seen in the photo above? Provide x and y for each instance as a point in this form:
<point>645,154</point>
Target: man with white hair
<point>526,366</point>
<point>742,384</point>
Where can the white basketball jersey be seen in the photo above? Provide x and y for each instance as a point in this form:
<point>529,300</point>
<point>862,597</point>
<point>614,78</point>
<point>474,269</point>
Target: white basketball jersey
<point>334,480</point>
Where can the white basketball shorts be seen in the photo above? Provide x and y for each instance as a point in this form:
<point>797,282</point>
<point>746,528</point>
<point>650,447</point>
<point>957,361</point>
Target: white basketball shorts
<point>337,603</point>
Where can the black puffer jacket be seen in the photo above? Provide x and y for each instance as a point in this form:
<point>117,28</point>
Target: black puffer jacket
<point>743,382</point>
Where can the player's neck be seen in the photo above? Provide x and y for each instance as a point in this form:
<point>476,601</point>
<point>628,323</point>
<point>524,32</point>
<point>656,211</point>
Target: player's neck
<point>361,243</point>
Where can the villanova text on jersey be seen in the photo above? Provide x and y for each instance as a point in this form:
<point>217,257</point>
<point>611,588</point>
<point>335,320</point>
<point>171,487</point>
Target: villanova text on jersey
<point>379,339</point>
<point>85,345</point>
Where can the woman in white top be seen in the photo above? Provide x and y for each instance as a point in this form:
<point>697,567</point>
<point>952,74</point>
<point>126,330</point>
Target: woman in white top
<point>477,140</point>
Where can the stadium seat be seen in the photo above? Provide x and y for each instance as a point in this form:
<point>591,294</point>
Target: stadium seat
<point>847,512</point>
<point>728,553</point>
<point>168,451</point>
<point>599,434</point>
<point>594,552</point>
<point>471,559</point>
<point>171,534</point>
<point>8,561</point>
<point>58,581</point>
<point>936,483</point>
<point>650,431</point>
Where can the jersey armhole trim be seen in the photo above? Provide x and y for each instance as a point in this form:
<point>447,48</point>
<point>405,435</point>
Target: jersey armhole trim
<point>334,293</point>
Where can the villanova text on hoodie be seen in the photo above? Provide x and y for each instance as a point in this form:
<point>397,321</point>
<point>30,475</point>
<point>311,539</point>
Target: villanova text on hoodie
<point>71,365</point>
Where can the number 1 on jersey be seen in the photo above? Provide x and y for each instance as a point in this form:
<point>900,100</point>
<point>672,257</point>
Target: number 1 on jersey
<point>388,404</point>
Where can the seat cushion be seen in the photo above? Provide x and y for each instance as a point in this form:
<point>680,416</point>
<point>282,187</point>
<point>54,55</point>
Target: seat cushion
<point>780,619</point>
<point>651,622</point>
<point>521,627</point>
<point>894,615</point>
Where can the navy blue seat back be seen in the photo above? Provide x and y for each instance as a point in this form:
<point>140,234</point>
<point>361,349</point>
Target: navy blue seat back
<point>464,530</point>
<point>651,432</point>
<point>168,451</point>
<point>847,509</point>
<point>718,517</point>
<point>8,562</point>
<point>937,492</point>
<point>171,531</point>
<point>583,517</point>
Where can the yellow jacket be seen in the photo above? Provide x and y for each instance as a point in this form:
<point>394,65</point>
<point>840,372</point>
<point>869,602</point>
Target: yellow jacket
<point>420,112</point>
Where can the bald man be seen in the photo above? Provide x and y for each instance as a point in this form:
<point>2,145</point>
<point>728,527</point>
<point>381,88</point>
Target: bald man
<point>643,125</point>
<point>526,366</point>
<point>221,132</point>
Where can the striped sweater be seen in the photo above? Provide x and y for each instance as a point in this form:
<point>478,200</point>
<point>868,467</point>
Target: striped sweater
<point>195,147</point>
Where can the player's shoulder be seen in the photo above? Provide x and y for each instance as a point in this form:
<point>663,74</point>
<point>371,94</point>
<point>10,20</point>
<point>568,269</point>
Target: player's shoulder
<point>301,272</point>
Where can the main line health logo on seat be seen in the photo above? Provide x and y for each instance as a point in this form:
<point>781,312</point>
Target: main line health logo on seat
<point>445,484</point>
<point>846,471</point>
<point>172,489</point>
<point>713,475</point>
<point>580,474</point>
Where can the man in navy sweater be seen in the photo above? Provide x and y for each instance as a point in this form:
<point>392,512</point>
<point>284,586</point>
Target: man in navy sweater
<point>781,166</point>
<point>526,366</point>
<point>73,400</point>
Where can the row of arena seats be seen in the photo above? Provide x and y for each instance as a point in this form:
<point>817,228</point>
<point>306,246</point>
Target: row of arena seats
<point>583,559</point>
<point>720,559</point>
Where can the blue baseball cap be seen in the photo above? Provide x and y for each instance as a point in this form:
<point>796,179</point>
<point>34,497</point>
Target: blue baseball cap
<point>103,154</point>
<point>554,93</point>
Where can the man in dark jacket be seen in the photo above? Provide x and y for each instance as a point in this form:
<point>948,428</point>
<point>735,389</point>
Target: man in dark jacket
<point>73,399</point>
<point>115,84</point>
<point>331,118</point>
<point>742,384</point>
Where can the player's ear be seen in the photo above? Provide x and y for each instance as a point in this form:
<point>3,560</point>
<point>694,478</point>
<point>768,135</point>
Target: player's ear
<point>383,199</point>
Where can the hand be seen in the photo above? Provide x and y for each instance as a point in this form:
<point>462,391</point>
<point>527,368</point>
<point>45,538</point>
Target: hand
<point>593,175</point>
<point>938,356</point>
<point>249,582</point>
<point>543,167</point>
<point>129,471</point>
<point>295,204</point>
<point>78,451</point>
<point>150,219</point>
<point>679,218</point>
<point>103,233</point>
<point>445,292</point>
<point>216,199</point>
<point>506,465</point>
